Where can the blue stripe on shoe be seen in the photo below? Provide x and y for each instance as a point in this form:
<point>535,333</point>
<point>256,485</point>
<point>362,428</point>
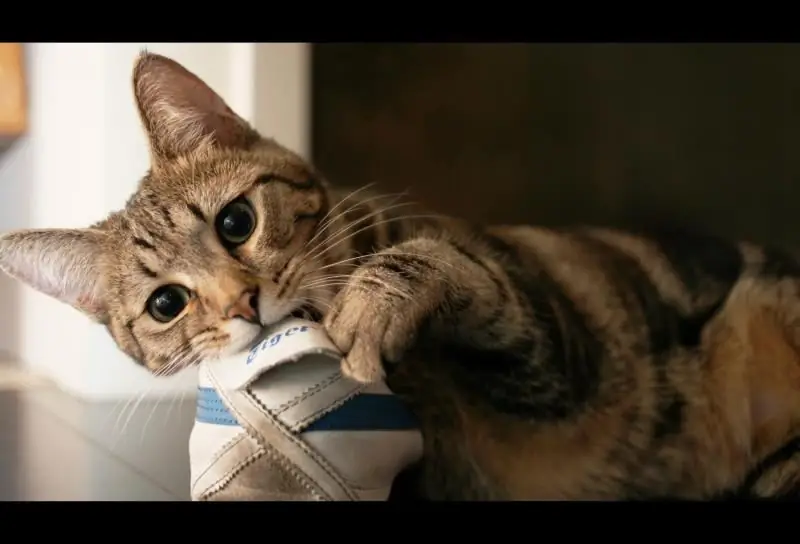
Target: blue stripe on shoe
<point>364,412</point>
<point>367,412</point>
<point>211,409</point>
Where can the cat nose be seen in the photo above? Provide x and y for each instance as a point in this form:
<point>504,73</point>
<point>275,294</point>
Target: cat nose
<point>246,306</point>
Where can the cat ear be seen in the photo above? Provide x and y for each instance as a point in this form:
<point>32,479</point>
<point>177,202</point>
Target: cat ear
<point>61,263</point>
<point>180,112</point>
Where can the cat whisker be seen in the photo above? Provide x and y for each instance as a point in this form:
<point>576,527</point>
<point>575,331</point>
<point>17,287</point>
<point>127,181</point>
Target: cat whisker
<point>319,303</point>
<point>199,345</point>
<point>165,370</point>
<point>323,285</point>
<point>442,276</point>
<point>312,253</point>
<point>189,360</point>
<point>347,197</point>
<point>131,400</point>
<point>323,223</point>
<point>394,252</point>
<point>177,364</point>
<point>180,403</point>
<point>368,283</point>
<point>350,235</point>
<point>421,256</point>
<point>352,224</point>
<point>339,280</point>
<point>382,222</point>
<point>150,416</point>
<point>116,426</point>
<point>304,312</point>
<point>353,281</point>
<point>344,213</point>
<point>132,411</point>
<point>284,282</point>
<point>318,300</point>
<point>118,409</point>
<point>344,262</point>
<point>171,405</point>
<point>399,291</point>
<point>183,358</point>
<point>323,278</point>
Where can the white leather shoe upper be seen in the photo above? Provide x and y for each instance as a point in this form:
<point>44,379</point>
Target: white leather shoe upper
<point>280,422</point>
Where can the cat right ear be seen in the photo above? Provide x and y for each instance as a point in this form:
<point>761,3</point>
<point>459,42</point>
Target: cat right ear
<point>180,112</point>
<point>61,263</point>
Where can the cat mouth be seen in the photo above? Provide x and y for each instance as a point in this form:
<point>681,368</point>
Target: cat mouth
<point>307,312</point>
<point>272,310</point>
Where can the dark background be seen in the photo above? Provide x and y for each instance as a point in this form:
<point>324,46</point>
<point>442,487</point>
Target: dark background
<point>702,136</point>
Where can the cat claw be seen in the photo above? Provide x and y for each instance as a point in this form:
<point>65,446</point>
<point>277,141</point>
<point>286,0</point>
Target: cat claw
<point>362,365</point>
<point>357,332</point>
<point>375,326</point>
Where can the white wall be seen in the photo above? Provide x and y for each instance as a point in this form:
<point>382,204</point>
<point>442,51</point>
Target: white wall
<point>82,158</point>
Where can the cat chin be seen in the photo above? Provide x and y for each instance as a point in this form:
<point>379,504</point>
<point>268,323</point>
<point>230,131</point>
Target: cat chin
<point>270,310</point>
<point>242,335</point>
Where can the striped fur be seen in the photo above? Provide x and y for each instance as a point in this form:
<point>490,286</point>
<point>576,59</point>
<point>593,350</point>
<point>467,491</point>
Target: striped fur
<point>542,364</point>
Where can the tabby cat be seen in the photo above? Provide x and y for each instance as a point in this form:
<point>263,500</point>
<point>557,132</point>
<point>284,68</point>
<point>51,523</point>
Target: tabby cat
<point>573,364</point>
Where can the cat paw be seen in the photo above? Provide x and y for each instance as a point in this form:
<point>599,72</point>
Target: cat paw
<point>374,320</point>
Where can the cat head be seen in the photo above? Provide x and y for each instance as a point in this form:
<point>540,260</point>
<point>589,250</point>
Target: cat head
<point>220,238</point>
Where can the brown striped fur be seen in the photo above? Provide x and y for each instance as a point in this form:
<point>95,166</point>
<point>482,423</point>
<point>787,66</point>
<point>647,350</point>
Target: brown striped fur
<point>542,364</point>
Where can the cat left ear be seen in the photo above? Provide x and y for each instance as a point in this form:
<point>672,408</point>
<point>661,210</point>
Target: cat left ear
<point>180,112</point>
<point>61,263</point>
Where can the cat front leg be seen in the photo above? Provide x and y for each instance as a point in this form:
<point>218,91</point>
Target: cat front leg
<point>450,287</point>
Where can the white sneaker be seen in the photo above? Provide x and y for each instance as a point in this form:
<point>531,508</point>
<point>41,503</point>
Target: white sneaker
<point>280,422</point>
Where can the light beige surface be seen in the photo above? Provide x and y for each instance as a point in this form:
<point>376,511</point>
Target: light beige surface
<point>16,378</point>
<point>56,447</point>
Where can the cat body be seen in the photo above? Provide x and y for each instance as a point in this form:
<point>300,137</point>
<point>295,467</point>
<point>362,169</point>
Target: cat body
<point>541,363</point>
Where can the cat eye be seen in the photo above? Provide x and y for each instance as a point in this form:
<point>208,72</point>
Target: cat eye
<point>167,302</point>
<point>235,223</point>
